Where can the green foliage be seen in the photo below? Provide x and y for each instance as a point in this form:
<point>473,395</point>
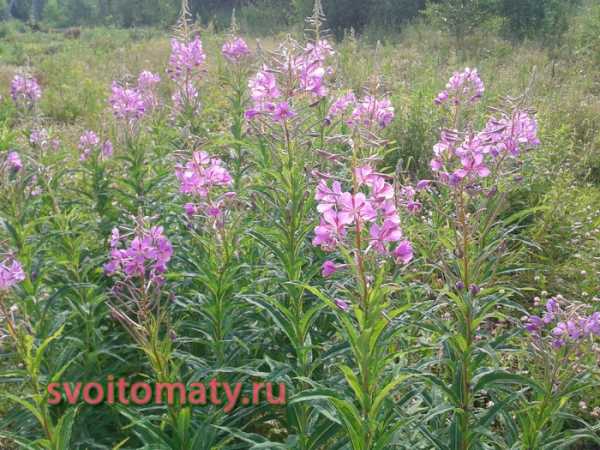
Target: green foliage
<point>422,367</point>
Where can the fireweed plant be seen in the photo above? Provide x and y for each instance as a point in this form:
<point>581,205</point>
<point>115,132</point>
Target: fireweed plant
<point>212,220</point>
<point>235,77</point>
<point>277,244</point>
<point>474,172</point>
<point>563,341</point>
<point>138,262</point>
<point>30,355</point>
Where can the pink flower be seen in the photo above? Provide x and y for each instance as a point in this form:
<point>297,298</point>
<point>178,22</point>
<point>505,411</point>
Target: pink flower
<point>191,209</point>
<point>327,197</point>
<point>319,51</point>
<point>380,190</point>
<point>147,80</point>
<point>282,112</point>
<point>403,253</point>
<point>472,165</point>
<point>465,86</point>
<point>235,50</point>
<point>330,231</point>
<point>201,173</point>
<point>25,90</point>
<point>11,273</point>
<point>371,111</point>
<point>342,304</point>
<point>14,161</point>
<point>365,175</point>
<point>341,105</point>
<point>87,142</point>
<point>329,268</point>
<point>509,134</point>
<point>107,149</point>
<point>146,85</point>
<point>199,177</point>
<point>382,235</point>
<point>312,80</point>
<point>263,86</point>
<point>127,104</point>
<point>146,256</point>
<point>263,91</point>
<point>355,208</point>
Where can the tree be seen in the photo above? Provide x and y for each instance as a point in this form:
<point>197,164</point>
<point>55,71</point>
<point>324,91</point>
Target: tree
<point>460,17</point>
<point>37,9</point>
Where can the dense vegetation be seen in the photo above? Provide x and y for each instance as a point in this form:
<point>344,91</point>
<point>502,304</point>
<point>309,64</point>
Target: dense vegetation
<point>410,245</point>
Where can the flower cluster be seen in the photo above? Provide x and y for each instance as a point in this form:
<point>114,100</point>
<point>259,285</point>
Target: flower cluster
<point>263,92</point>
<point>41,139</point>
<point>509,134</point>
<point>344,212</point>
<point>25,90</point>
<point>186,60</point>
<point>306,73</point>
<point>472,156</point>
<point>311,70</point>
<point>369,111</point>
<point>199,177</point>
<point>365,112</point>
<point>145,257</point>
<point>89,142</point>
<point>463,87</point>
<point>146,85</point>
<point>127,103</point>
<point>563,325</point>
<point>341,105</point>
<point>235,50</point>
<point>11,273</point>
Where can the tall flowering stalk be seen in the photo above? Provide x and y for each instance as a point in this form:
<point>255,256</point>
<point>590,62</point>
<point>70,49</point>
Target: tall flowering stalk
<point>128,105</point>
<point>363,227</point>
<point>131,105</point>
<point>237,54</point>
<point>360,226</point>
<point>185,69</point>
<point>212,221</point>
<point>138,262</point>
<point>473,171</point>
<point>94,153</point>
<point>285,119</point>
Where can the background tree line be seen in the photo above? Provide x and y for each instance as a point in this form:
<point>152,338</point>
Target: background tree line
<point>517,19</point>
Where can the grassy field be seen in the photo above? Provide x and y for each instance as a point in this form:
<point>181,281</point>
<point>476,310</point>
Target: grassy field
<point>225,295</point>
